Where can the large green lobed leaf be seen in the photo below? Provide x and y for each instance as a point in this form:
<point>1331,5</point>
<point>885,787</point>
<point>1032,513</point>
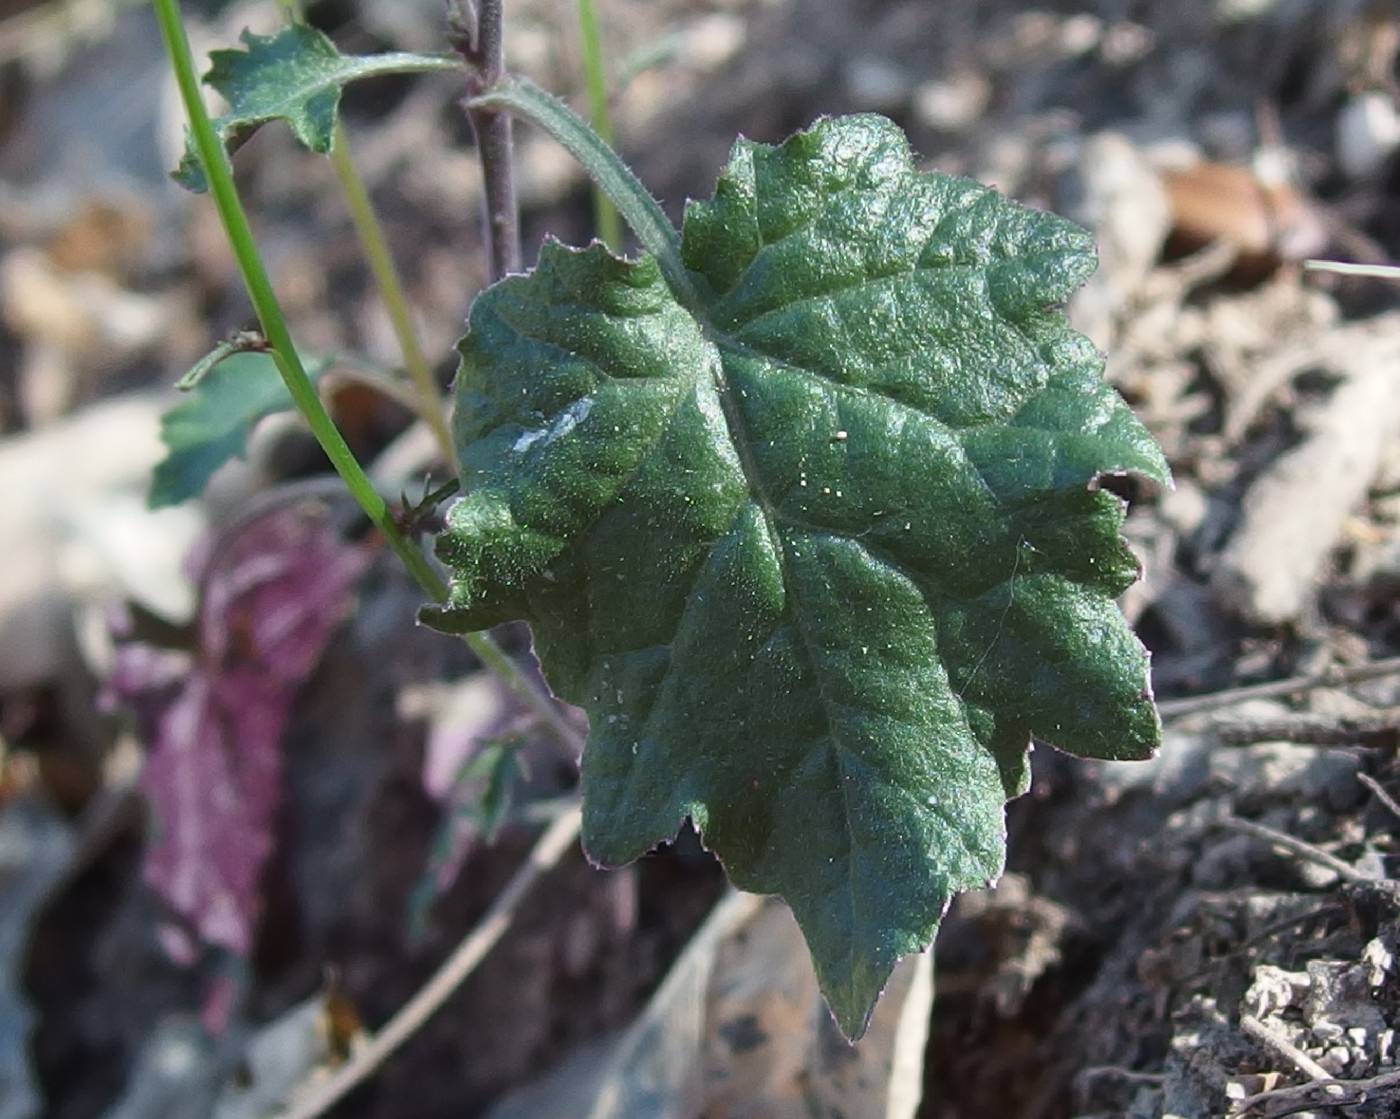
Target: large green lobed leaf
<point>819,555</point>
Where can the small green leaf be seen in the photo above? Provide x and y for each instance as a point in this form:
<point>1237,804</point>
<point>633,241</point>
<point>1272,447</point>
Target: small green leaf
<point>497,766</point>
<point>819,554</point>
<point>297,76</point>
<point>211,425</point>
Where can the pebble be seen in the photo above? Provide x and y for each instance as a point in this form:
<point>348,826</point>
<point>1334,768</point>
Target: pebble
<point>1336,1059</point>
<point>952,104</point>
<point>1328,1031</point>
<point>711,41</point>
<point>1368,132</point>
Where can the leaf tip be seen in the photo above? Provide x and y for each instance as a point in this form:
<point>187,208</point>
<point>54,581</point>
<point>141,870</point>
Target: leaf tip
<point>852,1003</point>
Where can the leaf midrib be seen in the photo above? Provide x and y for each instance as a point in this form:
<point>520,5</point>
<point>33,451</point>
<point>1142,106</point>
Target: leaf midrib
<point>738,436</point>
<point>331,74</point>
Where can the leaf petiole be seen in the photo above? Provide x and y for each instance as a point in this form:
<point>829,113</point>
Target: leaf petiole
<point>244,342</point>
<point>638,208</point>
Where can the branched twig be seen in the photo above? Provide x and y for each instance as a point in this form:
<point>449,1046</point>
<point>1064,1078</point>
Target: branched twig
<point>548,849</point>
<point>275,330</point>
<point>560,835</point>
<point>1298,847</point>
<point>1191,705</point>
<point>1305,1097</point>
<point>1380,729</point>
<point>1381,795</point>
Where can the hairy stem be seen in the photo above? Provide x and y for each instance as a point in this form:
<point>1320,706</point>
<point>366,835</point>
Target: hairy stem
<point>375,246</point>
<point>1335,678</point>
<point>493,142</point>
<point>638,208</point>
<point>219,175</point>
<point>605,216</point>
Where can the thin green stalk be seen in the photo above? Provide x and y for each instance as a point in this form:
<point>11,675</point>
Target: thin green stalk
<point>605,216</point>
<point>269,310</point>
<point>274,326</point>
<point>375,246</point>
<point>386,276</point>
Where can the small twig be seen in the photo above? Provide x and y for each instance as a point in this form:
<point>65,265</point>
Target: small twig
<point>1347,268</point>
<point>1191,705</point>
<point>1374,730</point>
<point>240,342</point>
<point>1381,795</point>
<point>548,849</point>
<point>484,48</point>
<point>1304,1095</point>
<point>1284,1048</point>
<point>1116,1072</point>
<point>1298,847</point>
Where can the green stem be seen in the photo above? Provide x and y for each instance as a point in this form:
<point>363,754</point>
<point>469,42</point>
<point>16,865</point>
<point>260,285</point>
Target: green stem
<point>386,277</point>
<point>269,311</point>
<point>375,246</point>
<point>274,326</point>
<point>605,216</point>
<point>638,208</point>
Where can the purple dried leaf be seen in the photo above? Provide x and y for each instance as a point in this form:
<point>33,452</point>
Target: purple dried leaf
<point>272,598</point>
